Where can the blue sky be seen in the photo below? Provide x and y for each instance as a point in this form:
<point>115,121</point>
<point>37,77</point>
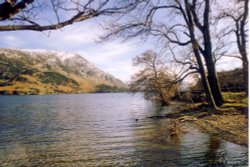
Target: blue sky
<point>113,57</point>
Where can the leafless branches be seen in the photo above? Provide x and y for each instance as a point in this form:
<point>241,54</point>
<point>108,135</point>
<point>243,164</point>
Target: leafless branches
<point>239,16</point>
<point>153,78</point>
<point>42,15</point>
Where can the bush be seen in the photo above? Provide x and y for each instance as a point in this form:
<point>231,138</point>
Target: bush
<point>103,88</point>
<point>56,79</point>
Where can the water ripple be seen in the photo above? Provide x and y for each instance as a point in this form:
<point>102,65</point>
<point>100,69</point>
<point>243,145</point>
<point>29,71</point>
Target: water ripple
<point>101,130</point>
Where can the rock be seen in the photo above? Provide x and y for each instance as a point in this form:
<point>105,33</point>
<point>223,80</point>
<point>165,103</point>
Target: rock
<point>174,130</point>
<point>188,119</point>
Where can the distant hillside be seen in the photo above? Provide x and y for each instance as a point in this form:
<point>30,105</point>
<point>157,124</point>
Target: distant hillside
<point>232,80</point>
<point>50,72</point>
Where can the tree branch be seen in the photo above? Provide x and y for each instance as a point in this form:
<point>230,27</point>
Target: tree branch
<point>77,18</point>
<point>195,17</point>
<point>181,78</point>
<point>157,32</point>
<point>11,8</point>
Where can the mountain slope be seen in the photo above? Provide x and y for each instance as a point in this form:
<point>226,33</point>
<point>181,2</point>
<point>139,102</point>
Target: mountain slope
<point>46,72</point>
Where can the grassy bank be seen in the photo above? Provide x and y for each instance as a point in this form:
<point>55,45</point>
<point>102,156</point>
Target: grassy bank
<point>229,123</point>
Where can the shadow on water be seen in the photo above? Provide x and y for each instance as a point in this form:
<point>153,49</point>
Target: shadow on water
<point>102,130</point>
<point>212,154</point>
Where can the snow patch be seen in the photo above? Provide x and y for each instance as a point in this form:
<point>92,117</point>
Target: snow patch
<point>56,53</point>
<point>64,55</point>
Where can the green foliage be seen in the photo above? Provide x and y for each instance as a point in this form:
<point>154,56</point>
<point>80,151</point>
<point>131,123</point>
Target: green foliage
<point>103,88</point>
<point>232,80</point>
<point>229,81</point>
<point>33,91</point>
<point>91,73</point>
<point>67,69</point>
<point>56,79</point>
<point>21,79</point>
<point>29,71</point>
<point>236,101</point>
<point>10,68</point>
<point>234,96</point>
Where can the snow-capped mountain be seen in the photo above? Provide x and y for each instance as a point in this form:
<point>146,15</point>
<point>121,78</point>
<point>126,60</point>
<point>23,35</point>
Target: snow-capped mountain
<point>50,72</point>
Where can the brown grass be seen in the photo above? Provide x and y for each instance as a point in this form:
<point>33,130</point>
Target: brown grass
<point>230,122</point>
<point>34,86</point>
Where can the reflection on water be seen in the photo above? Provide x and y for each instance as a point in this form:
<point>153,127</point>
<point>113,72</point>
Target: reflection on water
<point>101,130</point>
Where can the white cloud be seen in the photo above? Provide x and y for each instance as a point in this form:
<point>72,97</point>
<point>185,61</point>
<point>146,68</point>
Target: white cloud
<point>79,35</point>
<point>122,70</point>
<point>112,49</point>
<point>12,41</point>
<point>228,63</point>
<point>68,38</point>
<point>112,57</point>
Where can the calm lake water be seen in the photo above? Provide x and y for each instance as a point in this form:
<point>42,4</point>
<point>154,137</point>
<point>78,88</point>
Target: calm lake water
<point>101,130</point>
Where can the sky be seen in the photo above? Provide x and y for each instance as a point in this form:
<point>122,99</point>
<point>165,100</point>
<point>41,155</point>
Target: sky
<point>112,57</point>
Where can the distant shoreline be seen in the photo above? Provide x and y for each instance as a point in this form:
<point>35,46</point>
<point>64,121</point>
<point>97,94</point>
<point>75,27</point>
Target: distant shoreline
<point>61,93</point>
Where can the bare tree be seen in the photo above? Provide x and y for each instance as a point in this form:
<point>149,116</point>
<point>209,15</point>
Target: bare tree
<point>153,79</point>
<point>42,15</point>
<point>205,48</point>
<point>185,63</point>
<point>239,15</point>
<point>186,23</point>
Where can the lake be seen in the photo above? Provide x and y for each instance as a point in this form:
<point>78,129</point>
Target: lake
<point>102,130</point>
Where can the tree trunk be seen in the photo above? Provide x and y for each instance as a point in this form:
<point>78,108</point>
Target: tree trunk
<point>213,80</point>
<point>205,83</point>
<point>195,47</point>
<point>207,54</point>
<point>245,72</point>
<point>242,44</point>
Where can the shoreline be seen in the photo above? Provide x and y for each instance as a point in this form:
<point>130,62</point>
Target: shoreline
<point>230,123</point>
